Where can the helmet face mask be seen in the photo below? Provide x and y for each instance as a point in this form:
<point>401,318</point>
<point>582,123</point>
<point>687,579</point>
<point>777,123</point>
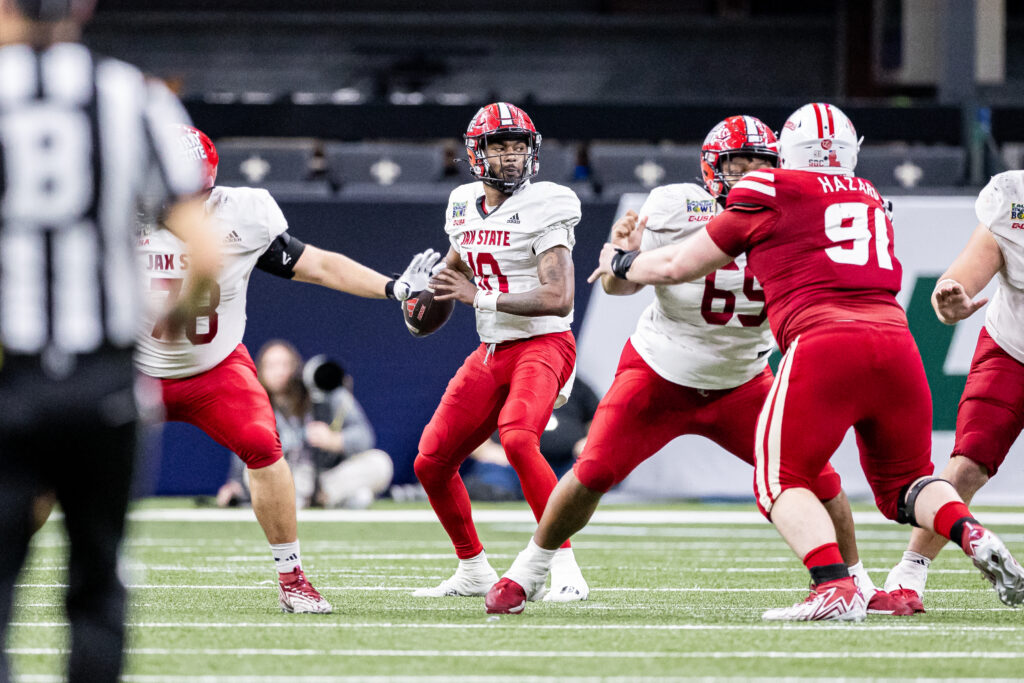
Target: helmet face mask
<point>499,124</point>
<point>819,137</point>
<point>736,136</point>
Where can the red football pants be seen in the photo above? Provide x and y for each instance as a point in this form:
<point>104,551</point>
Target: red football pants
<point>513,390</point>
<point>991,412</point>
<point>231,406</point>
<point>643,411</point>
<point>863,375</point>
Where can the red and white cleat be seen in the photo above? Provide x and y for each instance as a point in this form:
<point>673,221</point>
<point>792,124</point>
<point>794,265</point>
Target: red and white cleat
<point>298,596</point>
<point>909,598</point>
<point>505,597</point>
<point>882,602</point>
<point>995,562</point>
<point>839,600</point>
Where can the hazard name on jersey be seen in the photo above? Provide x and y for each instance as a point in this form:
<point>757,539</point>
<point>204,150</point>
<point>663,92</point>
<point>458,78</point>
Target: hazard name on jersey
<point>502,248</point>
<point>710,333</point>
<point>246,221</point>
<point>1000,206</point>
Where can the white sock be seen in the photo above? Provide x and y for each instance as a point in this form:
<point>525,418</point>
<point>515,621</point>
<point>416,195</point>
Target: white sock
<point>286,556</point>
<point>911,572</point>
<point>532,561</point>
<point>476,563</point>
<point>867,586</point>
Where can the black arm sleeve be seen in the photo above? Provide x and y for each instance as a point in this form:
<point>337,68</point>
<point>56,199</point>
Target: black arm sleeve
<point>280,257</point>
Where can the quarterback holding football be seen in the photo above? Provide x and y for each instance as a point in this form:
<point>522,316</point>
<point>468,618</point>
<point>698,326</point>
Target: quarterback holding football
<point>511,260</point>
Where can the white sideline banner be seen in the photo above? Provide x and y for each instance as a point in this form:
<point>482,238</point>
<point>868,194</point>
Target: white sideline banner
<point>930,232</point>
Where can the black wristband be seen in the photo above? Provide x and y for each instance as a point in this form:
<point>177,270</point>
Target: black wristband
<point>389,290</point>
<point>622,261</point>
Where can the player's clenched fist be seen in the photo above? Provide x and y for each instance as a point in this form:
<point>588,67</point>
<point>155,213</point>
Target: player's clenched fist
<point>628,231</point>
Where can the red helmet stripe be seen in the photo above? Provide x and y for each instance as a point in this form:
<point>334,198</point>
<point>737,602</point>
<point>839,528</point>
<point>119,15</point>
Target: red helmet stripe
<point>831,125</point>
<point>817,115</point>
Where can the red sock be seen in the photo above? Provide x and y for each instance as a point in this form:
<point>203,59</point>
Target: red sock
<point>948,515</point>
<point>824,555</point>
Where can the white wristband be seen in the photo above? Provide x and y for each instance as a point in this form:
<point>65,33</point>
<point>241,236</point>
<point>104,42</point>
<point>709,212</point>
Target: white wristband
<point>486,301</point>
<point>948,279</point>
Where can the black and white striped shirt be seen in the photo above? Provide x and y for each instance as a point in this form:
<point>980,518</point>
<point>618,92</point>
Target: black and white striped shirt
<point>82,141</point>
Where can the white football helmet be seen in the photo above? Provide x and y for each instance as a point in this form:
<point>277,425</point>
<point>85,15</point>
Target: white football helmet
<point>819,137</point>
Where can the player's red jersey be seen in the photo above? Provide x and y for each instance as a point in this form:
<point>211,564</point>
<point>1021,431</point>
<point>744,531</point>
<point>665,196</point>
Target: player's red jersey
<point>827,256</point>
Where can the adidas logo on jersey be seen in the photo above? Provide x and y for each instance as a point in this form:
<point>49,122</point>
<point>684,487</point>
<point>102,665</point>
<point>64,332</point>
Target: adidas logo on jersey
<point>232,238</point>
<point>514,219</point>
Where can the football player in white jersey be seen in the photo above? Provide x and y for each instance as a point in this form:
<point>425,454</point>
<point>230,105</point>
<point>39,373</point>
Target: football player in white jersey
<point>696,364</point>
<point>207,376</point>
<point>516,238</point>
<point>991,412</point>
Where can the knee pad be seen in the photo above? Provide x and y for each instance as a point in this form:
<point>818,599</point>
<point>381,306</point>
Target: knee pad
<point>431,471</point>
<point>258,446</point>
<point>908,498</point>
<point>595,475</point>
<point>827,486</point>
<point>519,442</point>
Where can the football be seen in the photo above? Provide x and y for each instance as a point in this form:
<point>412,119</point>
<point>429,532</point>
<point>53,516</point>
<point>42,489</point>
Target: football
<point>424,316</point>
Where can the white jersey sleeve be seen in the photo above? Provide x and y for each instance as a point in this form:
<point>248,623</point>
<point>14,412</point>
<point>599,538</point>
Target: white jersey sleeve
<point>710,333</point>
<point>1000,206</point>
<point>503,247</point>
<point>246,221</point>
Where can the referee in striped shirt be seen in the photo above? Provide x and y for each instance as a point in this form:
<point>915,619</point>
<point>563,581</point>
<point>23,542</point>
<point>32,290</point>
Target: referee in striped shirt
<point>83,141</point>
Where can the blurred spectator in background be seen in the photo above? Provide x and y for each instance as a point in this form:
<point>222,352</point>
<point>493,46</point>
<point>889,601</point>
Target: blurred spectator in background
<point>325,435</point>
<point>581,169</point>
<point>491,477</point>
<point>450,168</point>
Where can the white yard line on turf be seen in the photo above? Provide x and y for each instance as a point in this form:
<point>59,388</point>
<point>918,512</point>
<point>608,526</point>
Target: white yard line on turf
<point>533,654</point>
<point>925,629</point>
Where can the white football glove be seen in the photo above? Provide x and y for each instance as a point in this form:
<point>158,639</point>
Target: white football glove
<point>417,275</point>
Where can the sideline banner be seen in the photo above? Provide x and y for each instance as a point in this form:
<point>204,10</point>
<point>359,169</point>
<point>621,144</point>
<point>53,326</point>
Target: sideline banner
<point>930,232</point>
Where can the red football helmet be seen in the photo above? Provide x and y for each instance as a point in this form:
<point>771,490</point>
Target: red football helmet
<point>196,146</point>
<point>501,120</point>
<point>734,135</point>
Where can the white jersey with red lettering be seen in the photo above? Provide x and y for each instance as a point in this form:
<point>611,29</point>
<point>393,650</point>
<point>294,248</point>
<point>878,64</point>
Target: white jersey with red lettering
<point>710,333</point>
<point>246,220</point>
<point>502,247</point>
<point>1000,206</point>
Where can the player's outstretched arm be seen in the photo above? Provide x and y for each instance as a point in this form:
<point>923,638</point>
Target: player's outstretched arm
<point>976,265</point>
<point>337,271</point>
<point>694,257</point>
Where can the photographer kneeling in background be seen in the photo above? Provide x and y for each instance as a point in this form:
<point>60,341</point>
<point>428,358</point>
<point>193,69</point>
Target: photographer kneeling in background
<point>327,440</point>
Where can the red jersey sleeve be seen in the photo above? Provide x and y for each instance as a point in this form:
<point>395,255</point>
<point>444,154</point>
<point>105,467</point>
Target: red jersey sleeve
<point>739,228</point>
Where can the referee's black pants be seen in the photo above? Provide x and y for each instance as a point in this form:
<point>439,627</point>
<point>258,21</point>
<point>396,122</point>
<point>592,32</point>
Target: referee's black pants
<point>77,437</point>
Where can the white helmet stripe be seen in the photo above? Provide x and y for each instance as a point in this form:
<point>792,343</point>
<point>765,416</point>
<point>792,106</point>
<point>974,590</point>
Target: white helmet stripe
<point>753,134</point>
<point>505,114</point>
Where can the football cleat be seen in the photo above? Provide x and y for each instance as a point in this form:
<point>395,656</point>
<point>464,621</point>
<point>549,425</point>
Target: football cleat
<point>465,582</point>
<point>910,598</point>
<point>298,596</point>
<point>882,602</point>
<point>505,597</point>
<point>990,555</point>
<point>567,582</point>
<point>839,600</point>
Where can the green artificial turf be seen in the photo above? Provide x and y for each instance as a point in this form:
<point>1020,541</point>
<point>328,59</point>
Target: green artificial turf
<point>668,602</point>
